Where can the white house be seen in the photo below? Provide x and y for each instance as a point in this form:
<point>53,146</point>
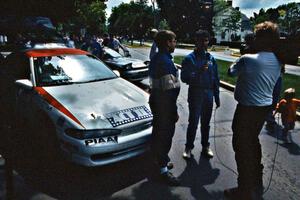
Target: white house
<point>222,33</point>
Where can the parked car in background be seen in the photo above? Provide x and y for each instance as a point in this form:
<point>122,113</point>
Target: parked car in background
<point>129,68</point>
<point>64,101</point>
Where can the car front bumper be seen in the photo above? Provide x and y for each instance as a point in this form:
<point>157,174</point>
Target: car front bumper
<point>128,146</point>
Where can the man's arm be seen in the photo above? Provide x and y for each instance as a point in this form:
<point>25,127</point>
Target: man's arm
<point>186,71</point>
<point>153,50</point>
<point>235,68</point>
<point>216,83</point>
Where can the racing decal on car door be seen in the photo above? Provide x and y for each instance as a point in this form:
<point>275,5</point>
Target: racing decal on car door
<point>128,115</point>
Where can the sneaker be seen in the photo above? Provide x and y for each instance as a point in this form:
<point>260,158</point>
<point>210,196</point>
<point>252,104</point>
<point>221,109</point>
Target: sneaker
<point>169,179</point>
<point>207,152</point>
<point>187,154</point>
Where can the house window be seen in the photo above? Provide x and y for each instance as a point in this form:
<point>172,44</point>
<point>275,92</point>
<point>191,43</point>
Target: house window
<point>223,35</point>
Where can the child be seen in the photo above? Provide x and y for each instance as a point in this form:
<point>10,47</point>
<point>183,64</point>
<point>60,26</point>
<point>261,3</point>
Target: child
<point>287,107</point>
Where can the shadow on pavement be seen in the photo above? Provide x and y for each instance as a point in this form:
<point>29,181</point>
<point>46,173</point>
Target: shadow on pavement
<point>151,191</point>
<point>196,176</point>
<point>76,183</point>
<point>292,147</point>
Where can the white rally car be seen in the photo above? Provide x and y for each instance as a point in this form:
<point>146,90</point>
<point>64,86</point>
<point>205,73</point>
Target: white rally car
<point>68,102</point>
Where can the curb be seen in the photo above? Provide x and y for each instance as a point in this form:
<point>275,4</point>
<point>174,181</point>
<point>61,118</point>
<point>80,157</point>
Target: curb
<point>231,88</point>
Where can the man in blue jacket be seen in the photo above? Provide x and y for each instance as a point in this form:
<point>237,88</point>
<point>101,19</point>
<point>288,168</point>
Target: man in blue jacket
<point>200,72</point>
<point>165,86</point>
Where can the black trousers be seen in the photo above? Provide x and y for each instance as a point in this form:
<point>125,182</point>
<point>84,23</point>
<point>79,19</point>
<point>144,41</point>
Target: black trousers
<point>164,120</point>
<point>246,126</point>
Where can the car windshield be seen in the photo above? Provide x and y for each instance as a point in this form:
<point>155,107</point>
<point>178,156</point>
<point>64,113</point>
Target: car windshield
<point>70,69</point>
<point>113,53</point>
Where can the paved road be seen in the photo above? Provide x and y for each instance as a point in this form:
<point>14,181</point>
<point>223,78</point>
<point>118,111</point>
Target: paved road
<point>201,178</point>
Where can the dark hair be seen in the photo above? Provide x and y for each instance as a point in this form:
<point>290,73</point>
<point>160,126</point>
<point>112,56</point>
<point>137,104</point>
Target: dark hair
<point>266,36</point>
<point>162,37</point>
<point>201,34</point>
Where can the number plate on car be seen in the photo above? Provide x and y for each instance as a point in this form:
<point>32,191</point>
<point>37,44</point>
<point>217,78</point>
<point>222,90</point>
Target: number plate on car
<point>128,115</point>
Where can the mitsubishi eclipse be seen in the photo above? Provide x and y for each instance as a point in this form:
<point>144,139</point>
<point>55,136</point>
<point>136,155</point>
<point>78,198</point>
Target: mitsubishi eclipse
<point>67,102</point>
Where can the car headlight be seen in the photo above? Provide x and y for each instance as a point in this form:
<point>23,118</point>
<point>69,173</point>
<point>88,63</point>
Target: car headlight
<point>147,62</point>
<point>87,134</point>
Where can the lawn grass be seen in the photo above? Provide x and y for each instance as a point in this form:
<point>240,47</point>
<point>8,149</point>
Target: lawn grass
<point>289,80</point>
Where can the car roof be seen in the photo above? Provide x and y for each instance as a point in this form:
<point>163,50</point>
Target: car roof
<point>54,52</point>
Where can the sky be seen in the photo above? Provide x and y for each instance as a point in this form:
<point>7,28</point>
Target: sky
<point>246,6</point>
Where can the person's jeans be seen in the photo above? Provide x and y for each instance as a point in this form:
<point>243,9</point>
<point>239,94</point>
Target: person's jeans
<point>200,105</point>
<point>246,126</point>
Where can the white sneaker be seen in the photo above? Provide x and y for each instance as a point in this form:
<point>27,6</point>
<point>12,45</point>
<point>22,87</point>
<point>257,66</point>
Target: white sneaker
<point>187,154</point>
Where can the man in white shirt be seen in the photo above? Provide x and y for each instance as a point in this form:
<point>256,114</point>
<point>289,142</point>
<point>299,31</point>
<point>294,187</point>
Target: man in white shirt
<point>257,74</point>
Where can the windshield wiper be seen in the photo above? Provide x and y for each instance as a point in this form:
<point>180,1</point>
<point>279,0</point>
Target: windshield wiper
<point>58,82</point>
<point>95,80</point>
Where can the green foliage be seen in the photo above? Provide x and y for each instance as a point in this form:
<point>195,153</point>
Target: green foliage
<point>219,6</point>
<point>233,22</point>
<point>133,18</point>
<point>287,16</point>
<point>90,16</point>
<point>185,17</point>
<point>163,25</point>
<point>290,21</point>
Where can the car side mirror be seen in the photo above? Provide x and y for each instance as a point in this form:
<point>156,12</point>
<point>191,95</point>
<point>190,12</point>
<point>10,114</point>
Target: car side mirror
<point>24,83</point>
<point>127,54</point>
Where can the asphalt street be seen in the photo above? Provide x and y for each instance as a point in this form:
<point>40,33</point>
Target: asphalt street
<point>200,178</point>
<point>289,69</point>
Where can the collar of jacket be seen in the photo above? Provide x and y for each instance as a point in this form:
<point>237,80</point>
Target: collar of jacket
<point>199,53</point>
<point>166,53</point>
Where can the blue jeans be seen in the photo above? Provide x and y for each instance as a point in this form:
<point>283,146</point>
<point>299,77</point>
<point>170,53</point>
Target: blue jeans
<point>200,105</point>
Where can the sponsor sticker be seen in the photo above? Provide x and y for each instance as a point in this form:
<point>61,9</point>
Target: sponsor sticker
<point>128,115</point>
<point>101,140</point>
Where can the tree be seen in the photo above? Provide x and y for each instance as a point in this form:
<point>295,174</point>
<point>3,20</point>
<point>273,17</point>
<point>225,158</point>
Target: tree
<point>163,25</point>
<point>90,15</point>
<point>290,19</point>
<point>67,13</point>
<point>132,18</point>
<point>185,17</point>
<point>219,6</point>
<point>233,22</point>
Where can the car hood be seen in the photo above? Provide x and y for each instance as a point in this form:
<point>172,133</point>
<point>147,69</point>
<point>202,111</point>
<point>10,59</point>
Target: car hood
<point>92,103</point>
<point>136,63</point>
